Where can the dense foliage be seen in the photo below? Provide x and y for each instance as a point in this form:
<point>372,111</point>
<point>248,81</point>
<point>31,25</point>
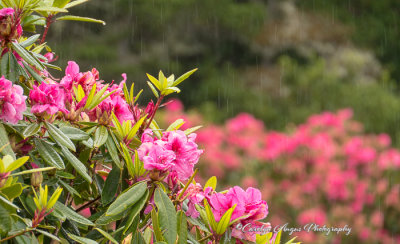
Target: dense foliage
<point>83,162</point>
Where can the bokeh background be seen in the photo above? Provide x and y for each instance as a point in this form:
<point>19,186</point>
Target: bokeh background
<point>299,98</point>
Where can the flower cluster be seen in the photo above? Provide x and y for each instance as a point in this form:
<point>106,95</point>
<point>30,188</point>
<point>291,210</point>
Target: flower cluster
<point>12,101</point>
<point>326,170</point>
<point>10,27</point>
<point>47,99</point>
<point>174,152</point>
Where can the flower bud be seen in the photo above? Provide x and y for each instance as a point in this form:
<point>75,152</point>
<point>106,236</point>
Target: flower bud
<point>36,179</point>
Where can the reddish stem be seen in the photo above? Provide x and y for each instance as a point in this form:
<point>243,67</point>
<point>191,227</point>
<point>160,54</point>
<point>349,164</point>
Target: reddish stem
<point>49,20</point>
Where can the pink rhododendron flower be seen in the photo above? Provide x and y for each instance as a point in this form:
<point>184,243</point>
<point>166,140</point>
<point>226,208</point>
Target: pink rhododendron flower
<point>47,98</point>
<point>6,11</point>
<point>12,101</point>
<point>186,151</point>
<point>10,27</point>
<point>195,195</point>
<point>155,156</point>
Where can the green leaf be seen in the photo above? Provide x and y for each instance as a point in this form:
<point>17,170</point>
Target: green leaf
<point>278,237</point>
<point>48,154</point>
<point>135,128</point>
<point>5,68</point>
<point>48,234</point>
<point>74,133</point>
<point>78,18</point>
<point>184,77</point>
<point>135,210</point>
<point>191,130</point>
<point>155,82</point>
<point>113,151</point>
<point>75,3</point>
<point>212,182</point>
<point>9,203</point>
<point>106,235</point>
<point>156,225</point>
<point>128,160</point>
<point>31,130</point>
<point>153,89</point>
<point>81,240</point>
<point>176,125</point>
<point>167,215</point>
<point>105,219</point>
<point>110,186</point>
<point>77,164</point>
<point>50,9</point>
<point>71,214</point>
<point>224,221</point>
<point>127,199</point>
<point>30,171</point>
<point>30,40</point>
<point>33,73</point>
<point>26,55</point>
<point>59,137</point>
<point>12,191</point>
<point>17,163</point>
<point>100,136</point>
<point>210,215</point>
<point>60,3</point>
<point>5,220</point>
<point>182,227</point>
<point>70,189</point>
<point>5,143</point>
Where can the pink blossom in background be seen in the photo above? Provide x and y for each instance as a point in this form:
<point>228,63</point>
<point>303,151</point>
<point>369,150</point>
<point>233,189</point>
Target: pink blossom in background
<point>174,105</point>
<point>12,101</point>
<point>5,12</point>
<point>47,99</point>
<point>315,215</point>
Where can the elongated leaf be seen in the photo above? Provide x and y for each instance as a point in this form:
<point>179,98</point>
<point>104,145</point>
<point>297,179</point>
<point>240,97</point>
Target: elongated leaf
<point>81,240</point>
<point>30,171</point>
<point>153,89</point>
<point>105,219</point>
<point>71,214</point>
<point>212,182</point>
<point>184,77</point>
<point>5,220</point>
<point>33,73</point>
<point>182,227</point>
<point>224,221</point>
<point>48,234</point>
<point>136,127</point>
<point>113,151</point>
<point>127,199</point>
<point>17,163</point>
<point>26,55</point>
<point>31,130</point>
<point>60,137</point>
<point>78,18</point>
<point>176,125</point>
<point>75,3</point>
<point>48,154</point>
<point>167,215</point>
<point>30,40</point>
<point>5,143</point>
<point>50,9</point>
<point>9,203</point>
<point>74,133</point>
<point>106,235</point>
<point>100,136</point>
<point>191,130</point>
<point>156,226</point>
<point>155,82</point>
<point>110,186</point>
<point>77,164</point>
<point>69,188</point>
<point>5,69</point>
<point>135,210</point>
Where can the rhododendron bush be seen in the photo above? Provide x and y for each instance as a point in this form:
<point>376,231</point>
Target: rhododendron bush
<point>326,171</point>
<point>83,162</point>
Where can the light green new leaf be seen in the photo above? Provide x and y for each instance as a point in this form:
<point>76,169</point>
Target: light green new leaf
<point>100,136</point>
<point>224,221</point>
<point>127,199</point>
<point>191,130</point>
<point>167,215</point>
<point>75,3</point>
<point>77,164</point>
<point>184,77</point>
<point>17,163</point>
<point>30,171</point>
<point>71,214</point>
<point>12,191</point>
<point>176,125</point>
<point>50,9</point>
<point>135,128</point>
<point>79,18</point>
<point>153,89</point>
<point>48,154</point>
<point>59,137</point>
<point>212,182</point>
<point>106,235</point>
<point>155,82</point>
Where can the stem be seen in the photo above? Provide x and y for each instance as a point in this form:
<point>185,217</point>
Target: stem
<point>15,235</point>
<point>87,204</point>
<point>46,29</point>
<point>154,111</point>
<point>187,185</point>
<point>205,238</point>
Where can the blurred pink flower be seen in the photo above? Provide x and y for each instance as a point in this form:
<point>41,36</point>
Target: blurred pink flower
<point>12,101</point>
